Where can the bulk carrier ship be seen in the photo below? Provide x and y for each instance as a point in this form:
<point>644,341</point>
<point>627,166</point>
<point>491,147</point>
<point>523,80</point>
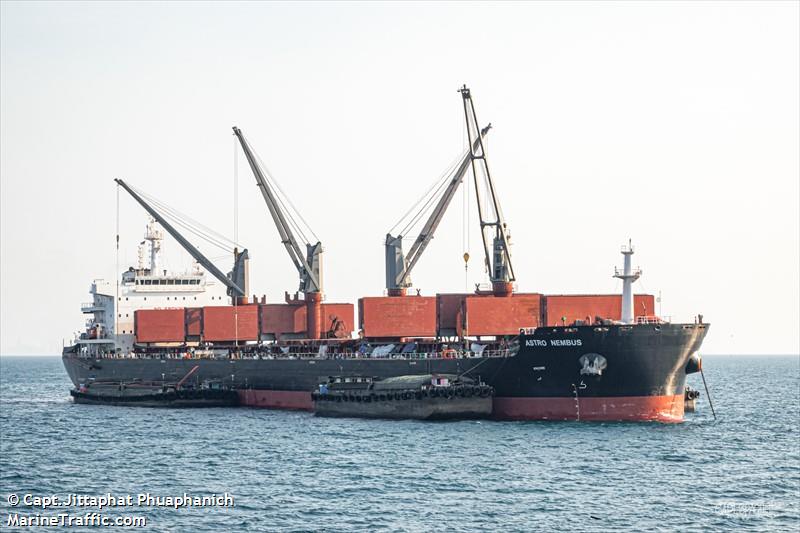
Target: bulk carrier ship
<point>548,357</point>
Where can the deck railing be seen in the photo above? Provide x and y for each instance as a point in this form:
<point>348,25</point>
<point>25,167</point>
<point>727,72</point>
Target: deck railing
<point>455,354</point>
<point>652,319</point>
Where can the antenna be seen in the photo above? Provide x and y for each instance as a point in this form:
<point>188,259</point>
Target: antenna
<point>628,276</point>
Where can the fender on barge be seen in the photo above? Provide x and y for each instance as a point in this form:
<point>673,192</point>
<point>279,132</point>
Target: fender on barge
<point>615,372</point>
<point>419,397</point>
<point>153,396</point>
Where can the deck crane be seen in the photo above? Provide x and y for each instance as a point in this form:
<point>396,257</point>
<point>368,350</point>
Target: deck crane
<point>236,280</point>
<point>398,264</point>
<point>308,264</point>
<point>493,225</point>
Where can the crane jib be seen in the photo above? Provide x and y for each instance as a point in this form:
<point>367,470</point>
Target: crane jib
<point>428,230</point>
<point>310,279</point>
<point>189,247</point>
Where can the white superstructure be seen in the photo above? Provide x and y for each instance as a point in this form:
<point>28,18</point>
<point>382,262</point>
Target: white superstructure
<point>110,327</point>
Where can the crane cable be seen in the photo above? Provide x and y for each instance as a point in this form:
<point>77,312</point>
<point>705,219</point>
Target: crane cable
<point>465,219</point>
<point>283,196</point>
<point>428,204</point>
<point>431,194</point>
<point>235,189</point>
<point>193,226</point>
<point>189,224</point>
<point>116,277</point>
<point>186,219</point>
<point>209,235</point>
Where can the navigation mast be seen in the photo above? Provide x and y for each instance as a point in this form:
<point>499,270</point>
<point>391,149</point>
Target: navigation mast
<point>628,277</point>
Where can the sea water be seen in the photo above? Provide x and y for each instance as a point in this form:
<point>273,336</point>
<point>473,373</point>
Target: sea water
<point>290,471</point>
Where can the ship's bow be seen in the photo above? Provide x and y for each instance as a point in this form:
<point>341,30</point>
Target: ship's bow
<point>601,373</point>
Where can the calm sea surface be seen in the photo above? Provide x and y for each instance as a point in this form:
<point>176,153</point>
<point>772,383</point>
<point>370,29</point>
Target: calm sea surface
<point>291,471</point>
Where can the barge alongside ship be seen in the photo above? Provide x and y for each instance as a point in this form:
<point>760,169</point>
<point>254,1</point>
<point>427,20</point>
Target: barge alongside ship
<point>561,357</point>
<point>612,372</point>
<point>419,397</point>
<point>155,397</point>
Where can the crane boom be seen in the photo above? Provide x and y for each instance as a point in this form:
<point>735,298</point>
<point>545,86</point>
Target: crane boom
<point>194,369</point>
<point>396,281</point>
<point>498,262</point>
<point>308,265</point>
<point>233,288</point>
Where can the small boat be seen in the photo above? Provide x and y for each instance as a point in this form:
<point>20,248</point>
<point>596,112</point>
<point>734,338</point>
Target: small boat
<point>420,397</point>
<point>690,397</point>
<point>151,395</point>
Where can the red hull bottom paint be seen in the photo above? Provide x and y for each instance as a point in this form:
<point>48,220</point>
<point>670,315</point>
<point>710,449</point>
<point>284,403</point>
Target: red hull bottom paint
<point>631,408</point>
<point>276,399</point>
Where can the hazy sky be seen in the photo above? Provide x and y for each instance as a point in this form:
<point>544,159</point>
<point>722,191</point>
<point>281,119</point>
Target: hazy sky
<point>674,124</point>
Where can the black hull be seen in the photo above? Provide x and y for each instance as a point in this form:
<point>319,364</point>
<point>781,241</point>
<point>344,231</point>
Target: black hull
<point>645,370</point>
